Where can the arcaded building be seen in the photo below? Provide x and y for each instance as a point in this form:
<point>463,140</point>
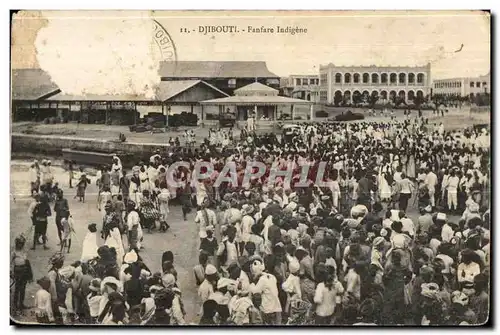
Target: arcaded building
<point>354,84</point>
<point>463,86</point>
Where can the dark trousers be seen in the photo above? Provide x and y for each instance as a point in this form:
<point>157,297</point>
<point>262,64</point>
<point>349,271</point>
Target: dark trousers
<point>19,292</point>
<point>59,227</point>
<point>40,230</point>
<point>403,201</point>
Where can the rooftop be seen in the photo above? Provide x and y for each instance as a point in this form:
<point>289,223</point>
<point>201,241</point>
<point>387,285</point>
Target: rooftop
<point>215,69</point>
<point>165,91</point>
<point>255,87</point>
<point>31,84</point>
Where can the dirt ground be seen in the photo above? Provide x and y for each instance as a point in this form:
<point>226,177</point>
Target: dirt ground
<point>182,238</point>
<point>455,119</point>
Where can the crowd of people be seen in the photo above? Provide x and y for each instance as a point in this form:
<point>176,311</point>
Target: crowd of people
<point>341,252</point>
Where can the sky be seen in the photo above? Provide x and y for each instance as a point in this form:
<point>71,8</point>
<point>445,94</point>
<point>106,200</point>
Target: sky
<point>404,38</point>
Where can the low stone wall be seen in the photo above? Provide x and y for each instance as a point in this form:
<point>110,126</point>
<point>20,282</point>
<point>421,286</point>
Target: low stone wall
<point>51,145</point>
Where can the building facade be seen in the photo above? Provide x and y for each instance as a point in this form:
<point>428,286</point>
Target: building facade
<point>183,85</point>
<point>305,87</point>
<point>353,84</point>
<point>464,86</point>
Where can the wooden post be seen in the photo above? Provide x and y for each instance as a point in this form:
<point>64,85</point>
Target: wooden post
<point>291,111</point>
<point>168,113</point>
<point>135,113</point>
<point>163,113</point>
<point>202,117</point>
<point>106,115</point>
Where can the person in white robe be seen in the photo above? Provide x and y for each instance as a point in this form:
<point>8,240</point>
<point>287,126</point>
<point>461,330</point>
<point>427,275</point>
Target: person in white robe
<point>164,198</point>
<point>144,178</point>
<point>114,240</point>
<point>89,245</point>
<point>117,165</point>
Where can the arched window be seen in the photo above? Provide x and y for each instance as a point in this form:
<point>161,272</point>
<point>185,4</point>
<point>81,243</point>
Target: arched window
<point>402,78</point>
<point>338,78</point>
<point>393,78</point>
<point>411,78</point>
<point>347,78</point>
<point>356,78</point>
<point>366,78</point>
<point>374,78</point>
<point>383,78</point>
<point>420,78</point>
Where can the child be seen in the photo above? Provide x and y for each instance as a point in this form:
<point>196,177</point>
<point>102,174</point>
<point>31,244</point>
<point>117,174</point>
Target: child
<point>43,302</point>
<point>68,230</point>
<point>81,186</point>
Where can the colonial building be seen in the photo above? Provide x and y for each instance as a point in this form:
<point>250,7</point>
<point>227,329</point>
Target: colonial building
<point>304,87</point>
<point>260,102</point>
<point>183,85</point>
<point>226,76</point>
<point>463,86</point>
<point>353,84</point>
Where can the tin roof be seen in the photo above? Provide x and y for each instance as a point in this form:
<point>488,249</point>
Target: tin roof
<point>164,91</point>
<point>215,69</point>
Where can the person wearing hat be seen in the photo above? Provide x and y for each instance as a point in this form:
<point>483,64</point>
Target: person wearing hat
<point>209,244</point>
<point>222,297</point>
<point>377,260</point>
<point>209,283</point>
<point>266,284</point>
<point>178,313</point>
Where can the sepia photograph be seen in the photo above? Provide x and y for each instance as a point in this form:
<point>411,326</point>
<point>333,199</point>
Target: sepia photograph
<point>250,168</point>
